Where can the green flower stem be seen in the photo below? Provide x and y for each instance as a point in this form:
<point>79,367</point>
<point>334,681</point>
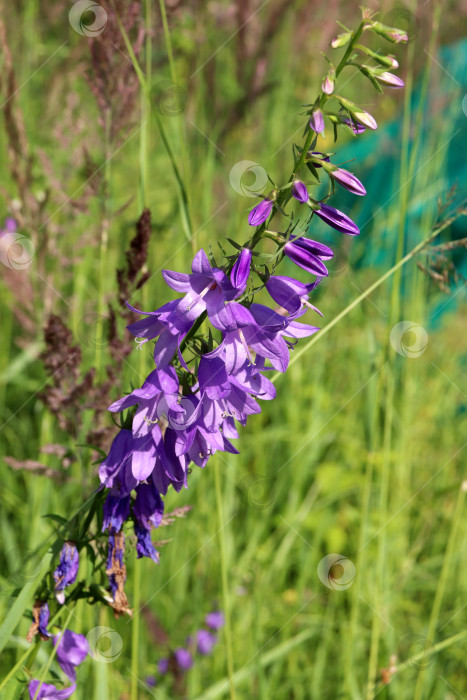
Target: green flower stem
<point>225,587</point>
<point>135,629</point>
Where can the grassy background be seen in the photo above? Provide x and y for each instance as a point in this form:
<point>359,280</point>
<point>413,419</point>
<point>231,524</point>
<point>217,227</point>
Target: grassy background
<point>362,452</point>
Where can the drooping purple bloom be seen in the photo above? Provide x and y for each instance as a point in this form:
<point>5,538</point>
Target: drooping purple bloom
<point>163,666</point>
<point>241,269</point>
<point>290,293</point>
<point>308,255</point>
<point>116,511</point>
<point>300,191</point>
<point>144,545</point>
<point>149,506</point>
<point>355,126</point>
<point>349,181</point>
<point>205,642</point>
<point>72,649</point>
<point>338,220</point>
<point>317,121</point>
<point>261,212</point>
<point>67,570</point>
<point>183,658</point>
<point>215,620</point>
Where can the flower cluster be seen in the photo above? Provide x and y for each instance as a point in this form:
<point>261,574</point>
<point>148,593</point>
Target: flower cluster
<point>203,643</point>
<point>215,345</point>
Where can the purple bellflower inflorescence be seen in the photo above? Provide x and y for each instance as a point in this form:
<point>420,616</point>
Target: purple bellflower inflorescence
<point>183,415</point>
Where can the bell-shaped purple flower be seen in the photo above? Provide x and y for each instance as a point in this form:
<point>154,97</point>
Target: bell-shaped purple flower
<point>205,642</point>
<point>67,570</point>
<point>163,666</point>
<point>149,506</point>
<point>241,269</point>
<point>215,620</point>
<point>338,220</point>
<point>349,181</point>
<point>308,255</point>
<point>261,212</point>
<point>144,545</point>
<point>290,293</point>
<point>300,191</point>
<point>317,121</point>
<point>183,658</point>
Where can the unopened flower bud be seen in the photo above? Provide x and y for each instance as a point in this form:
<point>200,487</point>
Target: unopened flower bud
<point>393,34</point>
<point>317,121</point>
<point>341,40</point>
<point>327,86</point>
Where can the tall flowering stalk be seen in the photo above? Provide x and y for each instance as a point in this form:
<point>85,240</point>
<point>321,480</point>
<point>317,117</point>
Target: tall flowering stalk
<point>215,345</point>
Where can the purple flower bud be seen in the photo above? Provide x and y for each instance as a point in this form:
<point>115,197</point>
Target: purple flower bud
<point>67,570</point>
<point>205,641</point>
<point>349,181</point>
<point>290,293</point>
<point>341,40</point>
<point>338,220</point>
<point>215,620</point>
<point>389,79</point>
<point>116,511</point>
<point>44,615</point>
<point>163,666</point>
<point>320,156</point>
<point>356,128</point>
<point>241,269</point>
<point>300,191</point>
<point>365,118</point>
<point>317,121</point>
<point>261,212</point>
<point>327,86</point>
<point>308,255</point>
<point>151,681</point>
<point>10,224</point>
<point>183,658</point>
